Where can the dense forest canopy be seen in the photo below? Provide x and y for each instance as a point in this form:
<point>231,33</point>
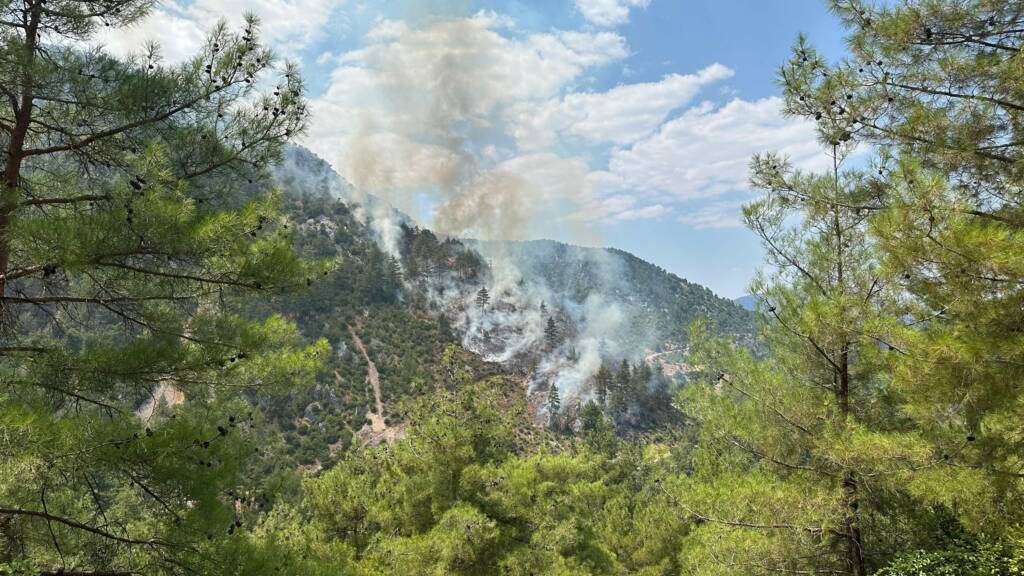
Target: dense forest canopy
<point>211,362</point>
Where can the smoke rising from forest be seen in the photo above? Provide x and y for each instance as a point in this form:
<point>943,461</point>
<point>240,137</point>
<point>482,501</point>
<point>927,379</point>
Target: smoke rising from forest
<point>431,154</point>
<point>436,85</point>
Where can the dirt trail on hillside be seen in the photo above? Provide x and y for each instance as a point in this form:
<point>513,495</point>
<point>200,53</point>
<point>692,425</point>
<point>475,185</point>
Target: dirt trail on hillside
<point>377,424</point>
<point>668,368</point>
<point>165,393</point>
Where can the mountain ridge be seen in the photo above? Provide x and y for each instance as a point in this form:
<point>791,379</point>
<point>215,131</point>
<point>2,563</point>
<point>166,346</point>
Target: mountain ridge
<point>402,294</point>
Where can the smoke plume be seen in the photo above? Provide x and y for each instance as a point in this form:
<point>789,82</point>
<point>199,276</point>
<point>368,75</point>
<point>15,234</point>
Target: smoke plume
<point>433,137</point>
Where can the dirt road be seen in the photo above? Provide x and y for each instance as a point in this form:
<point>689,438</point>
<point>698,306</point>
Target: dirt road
<point>377,425</point>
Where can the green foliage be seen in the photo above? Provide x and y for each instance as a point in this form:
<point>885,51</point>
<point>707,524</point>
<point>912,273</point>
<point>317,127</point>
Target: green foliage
<point>597,431</point>
<point>963,560</point>
<point>463,494</point>
<point>802,439</point>
<point>127,249</point>
<point>935,86</point>
<point>602,384</point>
<point>554,406</point>
<point>552,335</point>
<point>882,419</point>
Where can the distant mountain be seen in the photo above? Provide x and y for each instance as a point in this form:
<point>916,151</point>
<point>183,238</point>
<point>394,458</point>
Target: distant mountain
<point>659,306</point>
<point>748,302</point>
<point>402,293</point>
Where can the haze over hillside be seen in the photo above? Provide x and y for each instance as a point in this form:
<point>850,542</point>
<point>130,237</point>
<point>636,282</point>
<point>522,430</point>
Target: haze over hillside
<point>609,304</point>
<point>219,357</point>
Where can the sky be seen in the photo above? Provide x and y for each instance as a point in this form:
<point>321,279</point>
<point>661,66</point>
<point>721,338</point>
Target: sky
<point>624,123</point>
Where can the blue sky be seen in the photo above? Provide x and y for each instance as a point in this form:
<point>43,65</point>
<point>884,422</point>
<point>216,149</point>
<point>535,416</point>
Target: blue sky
<point>625,123</point>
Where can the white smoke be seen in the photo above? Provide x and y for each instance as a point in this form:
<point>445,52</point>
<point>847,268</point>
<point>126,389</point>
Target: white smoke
<point>510,328</point>
<point>303,170</point>
<point>436,112</point>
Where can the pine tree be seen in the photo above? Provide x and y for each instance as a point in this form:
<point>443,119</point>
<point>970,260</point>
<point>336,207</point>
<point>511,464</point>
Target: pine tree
<point>798,440</point>
<point>590,417</point>
<point>639,380</point>
<point>572,355</point>
<point>482,297</point>
<point>620,390</point>
<point>934,88</point>
<point>602,384</point>
<point>128,244</point>
<point>552,336</point>
<point>394,272</point>
<point>598,433</point>
<point>394,276</point>
<point>554,405</point>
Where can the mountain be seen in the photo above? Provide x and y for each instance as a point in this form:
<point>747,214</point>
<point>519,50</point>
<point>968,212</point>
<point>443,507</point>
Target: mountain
<point>659,306</point>
<point>552,316</point>
<point>747,302</point>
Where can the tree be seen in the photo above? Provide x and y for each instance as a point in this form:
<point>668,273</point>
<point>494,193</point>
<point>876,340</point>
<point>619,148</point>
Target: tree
<point>572,355</point>
<point>467,492</point>
<point>640,380</point>
<point>131,233</point>
<point>620,397</point>
<point>552,336</point>
<point>800,440</point>
<point>602,384</point>
<point>482,297</point>
<point>394,272</point>
<point>885,428</point>
<point>598,433</point>
<point>934,87</point>
<point>554,404</point>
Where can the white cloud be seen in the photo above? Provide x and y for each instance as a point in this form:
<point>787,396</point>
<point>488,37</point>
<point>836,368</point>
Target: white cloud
<point>385,30</point>
<point>705,151</point>
<point>286,25</point>
<point>645,213</point>
<point>620,116</point>
<point>491,124</point>
<point>618,207</point>
<point>608,13</point>
<point>425,111</point>
<point>179,34</point>
<point>715,215</point>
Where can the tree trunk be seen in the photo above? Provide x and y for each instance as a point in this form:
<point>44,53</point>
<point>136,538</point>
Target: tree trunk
<point>851,497</point>
<point>15,150</point>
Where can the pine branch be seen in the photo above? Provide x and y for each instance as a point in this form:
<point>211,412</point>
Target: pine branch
<point>80,526</point>
<point>740,523</point>
<point>66,200</point>
<point>773,460</point>
<point>950,94</point>
<point>777,412</point>
<point>125,127</point>
<point>62,572</point>
<point>100,301</point>
<point>163,274</point>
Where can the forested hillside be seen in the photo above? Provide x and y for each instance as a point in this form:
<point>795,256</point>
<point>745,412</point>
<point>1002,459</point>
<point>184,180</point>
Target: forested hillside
<point>391,303</point>
<point>217,358</point>
<point>658,302</point>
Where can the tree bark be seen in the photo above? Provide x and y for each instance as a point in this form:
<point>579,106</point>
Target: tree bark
<point>16,148</point>
<point>854,542</point>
